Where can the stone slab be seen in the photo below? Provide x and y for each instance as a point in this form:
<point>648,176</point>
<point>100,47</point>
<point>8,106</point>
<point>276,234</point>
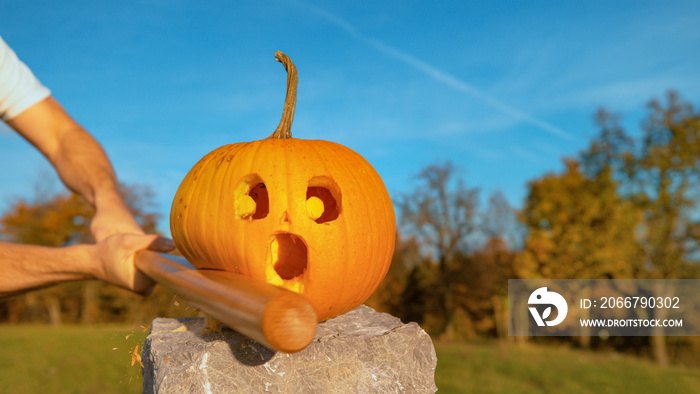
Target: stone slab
<point>362,351</point>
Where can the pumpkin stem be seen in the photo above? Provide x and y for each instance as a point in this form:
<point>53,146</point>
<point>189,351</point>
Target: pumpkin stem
<point>284,130</point>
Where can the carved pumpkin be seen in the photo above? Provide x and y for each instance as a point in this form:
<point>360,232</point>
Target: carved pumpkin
<point>310,216</point>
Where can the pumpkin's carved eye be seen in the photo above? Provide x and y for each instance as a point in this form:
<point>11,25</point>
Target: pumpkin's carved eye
<point>323,200</point>
<point>252,201</point>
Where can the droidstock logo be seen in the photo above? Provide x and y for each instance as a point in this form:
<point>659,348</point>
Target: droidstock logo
<point>543,297</point>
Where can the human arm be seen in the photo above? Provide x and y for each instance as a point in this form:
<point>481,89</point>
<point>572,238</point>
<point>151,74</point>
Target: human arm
<point>81,164</point>
<point>27,106</point>
<point>29,267</point>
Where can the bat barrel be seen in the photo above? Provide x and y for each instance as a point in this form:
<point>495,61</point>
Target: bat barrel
<point>275,317</point>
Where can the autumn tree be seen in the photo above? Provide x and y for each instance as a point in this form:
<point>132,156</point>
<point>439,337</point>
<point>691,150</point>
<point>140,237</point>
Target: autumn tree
<point>660,174</point>
<point>487,276</point>
<point>500,220</point>
<point>389,295</point>
<point>420,300</point>
<point>442,214</point>
<point>578,228</point>
<point>627,208</point>
<point>668,181</point>
<point>493,263</point>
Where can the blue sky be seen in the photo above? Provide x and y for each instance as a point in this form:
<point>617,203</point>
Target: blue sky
<point>505,90</point>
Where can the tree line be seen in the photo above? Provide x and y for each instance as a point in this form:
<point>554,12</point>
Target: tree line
<point>626,207</point>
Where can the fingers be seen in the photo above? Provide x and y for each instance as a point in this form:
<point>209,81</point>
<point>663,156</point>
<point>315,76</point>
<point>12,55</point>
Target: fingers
<point>152,242</point>
<point>162,244</point>
<point>145,285</point>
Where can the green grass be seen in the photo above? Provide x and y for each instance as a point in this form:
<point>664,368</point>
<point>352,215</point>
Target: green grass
<point>490,368</point>
<point>69,359</point>
<point>78,359</point>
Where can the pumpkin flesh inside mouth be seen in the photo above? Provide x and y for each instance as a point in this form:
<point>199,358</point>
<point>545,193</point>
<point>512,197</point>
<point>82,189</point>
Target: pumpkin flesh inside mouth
<point>288,260</point>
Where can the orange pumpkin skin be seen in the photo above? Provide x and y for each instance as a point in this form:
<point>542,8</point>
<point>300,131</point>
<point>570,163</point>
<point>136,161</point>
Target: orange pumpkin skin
<point>223,218</point>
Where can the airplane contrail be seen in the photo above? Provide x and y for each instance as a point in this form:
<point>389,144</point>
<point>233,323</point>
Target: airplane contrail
<point>439,75</point>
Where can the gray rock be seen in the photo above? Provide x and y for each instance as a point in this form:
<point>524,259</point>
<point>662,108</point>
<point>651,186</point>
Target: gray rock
<point>361,351</point>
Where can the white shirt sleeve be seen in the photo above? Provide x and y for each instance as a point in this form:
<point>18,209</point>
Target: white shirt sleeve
<point>19,88</point>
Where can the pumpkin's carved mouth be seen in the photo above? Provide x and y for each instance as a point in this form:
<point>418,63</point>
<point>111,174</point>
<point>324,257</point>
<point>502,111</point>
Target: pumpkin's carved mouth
<point>290,256</point>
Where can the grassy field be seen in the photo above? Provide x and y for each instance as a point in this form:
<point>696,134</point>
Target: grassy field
<point>69,359</point>
<point>488,368</point>
<point>76,359</point>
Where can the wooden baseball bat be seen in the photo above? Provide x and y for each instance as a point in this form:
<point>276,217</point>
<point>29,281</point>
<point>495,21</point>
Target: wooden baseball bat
<point>275,317</point>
